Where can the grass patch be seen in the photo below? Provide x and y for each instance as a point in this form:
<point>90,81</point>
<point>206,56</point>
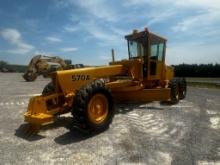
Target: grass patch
<point>204,84</point>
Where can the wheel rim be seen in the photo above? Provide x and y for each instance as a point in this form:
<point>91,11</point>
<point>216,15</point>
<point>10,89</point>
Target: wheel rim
<point>184,92</point>
<point>177,93</point>
<point>98,108</point>
<point>177,96</point>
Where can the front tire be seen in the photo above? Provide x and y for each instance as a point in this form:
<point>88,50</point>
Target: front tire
<point>48,89</point>
<point>93,106</point>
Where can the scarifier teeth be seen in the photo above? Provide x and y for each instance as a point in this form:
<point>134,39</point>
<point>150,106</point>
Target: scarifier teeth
<point>32,130</point>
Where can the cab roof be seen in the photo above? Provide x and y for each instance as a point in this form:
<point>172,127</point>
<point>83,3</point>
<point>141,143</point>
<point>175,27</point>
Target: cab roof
<point>142,34</point>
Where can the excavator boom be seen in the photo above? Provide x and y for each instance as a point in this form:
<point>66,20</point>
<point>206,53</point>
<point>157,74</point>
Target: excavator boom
<point>43,65</point>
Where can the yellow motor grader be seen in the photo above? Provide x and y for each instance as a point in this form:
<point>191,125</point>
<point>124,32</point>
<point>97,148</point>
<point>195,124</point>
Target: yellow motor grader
<point>89,93</point>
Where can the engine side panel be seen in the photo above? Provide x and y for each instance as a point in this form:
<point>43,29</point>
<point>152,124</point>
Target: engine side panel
<point>72,80</point>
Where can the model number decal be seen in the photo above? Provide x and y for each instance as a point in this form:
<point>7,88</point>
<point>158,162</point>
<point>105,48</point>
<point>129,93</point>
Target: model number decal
<point>79,77</point>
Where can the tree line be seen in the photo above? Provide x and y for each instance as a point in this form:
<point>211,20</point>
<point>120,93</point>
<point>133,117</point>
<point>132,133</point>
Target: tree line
<point>195,70</point>
<point>5,67</point>
<point>181,70</point>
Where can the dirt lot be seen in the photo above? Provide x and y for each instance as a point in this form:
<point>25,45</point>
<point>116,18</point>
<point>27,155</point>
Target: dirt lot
<point>187,133</point>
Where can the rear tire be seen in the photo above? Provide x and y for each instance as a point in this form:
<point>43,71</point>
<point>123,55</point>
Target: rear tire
<point>182,88</point>
<point>93,106</point>
<point>174,94</point>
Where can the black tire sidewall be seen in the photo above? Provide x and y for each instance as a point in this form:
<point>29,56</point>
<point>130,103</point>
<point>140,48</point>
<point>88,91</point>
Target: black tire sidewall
<point>81,101</point>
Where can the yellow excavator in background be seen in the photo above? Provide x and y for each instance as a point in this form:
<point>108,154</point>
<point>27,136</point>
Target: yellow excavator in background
<point>44,65</point>
<point>89,93</point>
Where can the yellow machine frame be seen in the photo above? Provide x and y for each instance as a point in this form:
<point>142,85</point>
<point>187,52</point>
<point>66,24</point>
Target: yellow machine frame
<point>126,80</point>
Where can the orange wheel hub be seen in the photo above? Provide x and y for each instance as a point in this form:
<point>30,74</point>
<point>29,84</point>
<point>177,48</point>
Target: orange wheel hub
<point>98,108</point>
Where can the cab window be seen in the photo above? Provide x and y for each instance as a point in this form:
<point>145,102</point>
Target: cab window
<point>157,51</point>
<point>135,49</point>
<point>160,52</point>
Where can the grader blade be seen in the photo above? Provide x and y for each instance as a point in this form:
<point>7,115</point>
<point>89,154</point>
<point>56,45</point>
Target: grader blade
<point>41,110</point>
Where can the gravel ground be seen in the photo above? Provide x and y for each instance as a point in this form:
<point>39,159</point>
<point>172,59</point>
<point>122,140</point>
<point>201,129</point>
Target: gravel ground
<point>187,133</point>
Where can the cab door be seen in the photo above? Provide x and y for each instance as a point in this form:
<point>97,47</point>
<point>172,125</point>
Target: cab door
<point>156,60</point>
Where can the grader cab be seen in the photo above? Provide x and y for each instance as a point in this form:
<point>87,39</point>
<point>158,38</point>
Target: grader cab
<point>89,93</point>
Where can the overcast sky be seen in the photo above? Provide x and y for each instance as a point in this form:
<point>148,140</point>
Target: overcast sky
<point>85,31</point>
